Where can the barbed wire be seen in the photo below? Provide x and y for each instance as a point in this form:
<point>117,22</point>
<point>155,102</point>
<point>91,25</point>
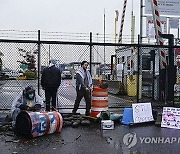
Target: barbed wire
<point>68,36</point>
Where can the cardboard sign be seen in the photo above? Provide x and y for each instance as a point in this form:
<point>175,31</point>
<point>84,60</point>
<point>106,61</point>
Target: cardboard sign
<point>171,117</point>
<point>142,112</point>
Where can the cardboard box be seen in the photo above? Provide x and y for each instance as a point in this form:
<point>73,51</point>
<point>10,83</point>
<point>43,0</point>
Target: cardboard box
<point>107,124</point>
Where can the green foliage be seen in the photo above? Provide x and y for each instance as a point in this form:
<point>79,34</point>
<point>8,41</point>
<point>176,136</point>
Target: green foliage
<point>28,60</point>
<point>30,75</point>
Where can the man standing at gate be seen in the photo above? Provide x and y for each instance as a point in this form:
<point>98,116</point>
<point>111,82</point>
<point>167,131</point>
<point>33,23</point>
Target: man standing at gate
<point>83,88</point>
<point>50,82</point>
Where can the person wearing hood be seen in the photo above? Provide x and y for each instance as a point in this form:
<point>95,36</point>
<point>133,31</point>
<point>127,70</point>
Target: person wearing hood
<point>27,100</point>
<point>50,82</point>
<point>83,88</point>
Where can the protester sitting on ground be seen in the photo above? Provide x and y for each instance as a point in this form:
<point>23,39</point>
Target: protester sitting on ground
<point>27,100</point>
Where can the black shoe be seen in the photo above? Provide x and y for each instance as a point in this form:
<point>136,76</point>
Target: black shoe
<point>73,112</point>
<point>87,114</point>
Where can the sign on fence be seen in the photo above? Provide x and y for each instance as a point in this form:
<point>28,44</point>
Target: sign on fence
<point>171,117</point>
<point>150,30</point>
<point>142,112</point>
<point>166,7</point>
<point>174,23</point>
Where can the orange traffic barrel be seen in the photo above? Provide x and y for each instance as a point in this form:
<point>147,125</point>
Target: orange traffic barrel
<point>33,124</point>
<point>99,101</point>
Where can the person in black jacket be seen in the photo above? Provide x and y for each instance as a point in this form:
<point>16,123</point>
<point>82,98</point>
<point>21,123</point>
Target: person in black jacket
<point>50,82</point>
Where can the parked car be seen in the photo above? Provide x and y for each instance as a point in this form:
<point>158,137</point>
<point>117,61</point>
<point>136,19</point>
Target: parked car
<point>66,75</point>
<point>12,74</point>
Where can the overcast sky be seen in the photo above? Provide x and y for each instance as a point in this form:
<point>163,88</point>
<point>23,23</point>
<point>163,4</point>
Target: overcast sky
<point>77,16</point>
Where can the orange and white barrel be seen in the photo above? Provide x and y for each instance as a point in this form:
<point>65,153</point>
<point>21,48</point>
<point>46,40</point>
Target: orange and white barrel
<point>99,101</point>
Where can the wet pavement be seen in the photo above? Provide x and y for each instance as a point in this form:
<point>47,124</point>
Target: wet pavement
<point>123,139</point>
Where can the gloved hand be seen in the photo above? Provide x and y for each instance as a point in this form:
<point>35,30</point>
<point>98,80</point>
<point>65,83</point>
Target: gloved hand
<point>23,107</point>
<point>30,108</point>
<point>37,107</point>
<point>34,108</point>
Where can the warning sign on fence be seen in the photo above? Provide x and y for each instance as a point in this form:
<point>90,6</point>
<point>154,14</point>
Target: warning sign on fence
<point>166,7</point>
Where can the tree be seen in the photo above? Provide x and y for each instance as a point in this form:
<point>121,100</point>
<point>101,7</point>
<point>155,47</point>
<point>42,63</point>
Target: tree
<point>28,59</point>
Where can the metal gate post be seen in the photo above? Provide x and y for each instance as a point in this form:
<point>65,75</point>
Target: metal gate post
<point>138,68</point>
<point>90,63</point>
<point>39,61</point>
<point>171,69</point>
<point>152,53</point>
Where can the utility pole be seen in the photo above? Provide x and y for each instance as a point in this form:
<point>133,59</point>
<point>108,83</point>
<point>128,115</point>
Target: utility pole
<point>132,25</point>
<point>141,21</point>
<point>97,46</point>
<point>104,36</point>
<point>104,44</point>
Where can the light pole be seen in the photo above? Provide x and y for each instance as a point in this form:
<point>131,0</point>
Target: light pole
<point>97,45</point>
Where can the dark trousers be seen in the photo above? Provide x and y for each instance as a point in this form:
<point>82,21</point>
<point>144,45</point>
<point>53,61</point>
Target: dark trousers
<point>50,92</point>
<point>80,95</point>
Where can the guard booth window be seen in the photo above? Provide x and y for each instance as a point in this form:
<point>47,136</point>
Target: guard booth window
<point>146,62</point>
<point>128,62</point>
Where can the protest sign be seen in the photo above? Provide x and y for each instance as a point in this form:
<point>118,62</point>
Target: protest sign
<point>171,117</point>
<point>142,112</point>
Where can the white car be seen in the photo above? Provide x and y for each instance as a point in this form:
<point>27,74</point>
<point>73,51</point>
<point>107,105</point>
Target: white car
<point>66,75</point>
<point>12,74</point>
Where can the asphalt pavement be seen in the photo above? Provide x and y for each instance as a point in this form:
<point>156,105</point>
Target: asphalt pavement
<point>141,138</point>
<point>123,139</point>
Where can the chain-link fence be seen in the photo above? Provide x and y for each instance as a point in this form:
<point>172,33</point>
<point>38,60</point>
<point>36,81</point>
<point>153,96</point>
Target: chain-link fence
<point>131,71</point>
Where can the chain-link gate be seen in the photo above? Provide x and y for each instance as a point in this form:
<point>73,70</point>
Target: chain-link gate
<point>12,57</point>
<point>131,71</point>
<point>67,58</point>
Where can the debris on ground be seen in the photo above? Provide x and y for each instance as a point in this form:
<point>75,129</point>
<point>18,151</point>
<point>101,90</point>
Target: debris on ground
<point>6,126</point>
<point>78,137</point>
<point>78,119</point>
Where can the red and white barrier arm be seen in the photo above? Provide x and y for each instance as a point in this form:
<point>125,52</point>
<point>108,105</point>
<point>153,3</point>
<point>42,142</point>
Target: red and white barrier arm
<point>158,31</point>
<point>122,21</point>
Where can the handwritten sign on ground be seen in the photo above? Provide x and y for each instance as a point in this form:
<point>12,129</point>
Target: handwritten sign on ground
<point>142,112</point>
<point>171,117</point>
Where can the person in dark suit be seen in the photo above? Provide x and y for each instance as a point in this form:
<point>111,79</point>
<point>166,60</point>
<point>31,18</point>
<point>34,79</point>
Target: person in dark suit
<point>50,82</point>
